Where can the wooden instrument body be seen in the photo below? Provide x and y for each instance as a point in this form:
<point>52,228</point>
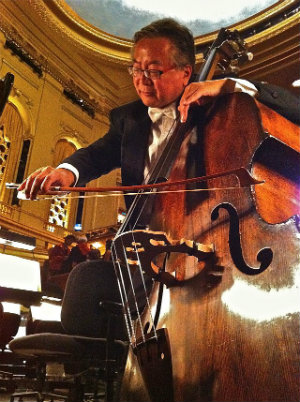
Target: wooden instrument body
<point>234,336</point>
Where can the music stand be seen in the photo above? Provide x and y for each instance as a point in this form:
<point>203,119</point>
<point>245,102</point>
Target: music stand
<point>20,280</point>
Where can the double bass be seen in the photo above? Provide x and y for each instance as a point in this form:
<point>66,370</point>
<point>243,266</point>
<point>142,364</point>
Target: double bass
<point>219,262</point>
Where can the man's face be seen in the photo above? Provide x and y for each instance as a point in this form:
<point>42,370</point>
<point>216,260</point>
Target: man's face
<point>156,54</point>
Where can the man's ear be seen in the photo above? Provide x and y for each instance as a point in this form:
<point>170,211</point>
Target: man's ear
<point>188,70</point>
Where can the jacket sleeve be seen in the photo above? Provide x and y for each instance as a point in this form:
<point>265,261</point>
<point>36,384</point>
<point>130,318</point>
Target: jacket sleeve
<point>101,156</point>
<point>280,100</point>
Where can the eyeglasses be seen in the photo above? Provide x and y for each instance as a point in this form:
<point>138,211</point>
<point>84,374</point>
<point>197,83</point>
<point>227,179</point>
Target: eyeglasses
<point>152,74</point>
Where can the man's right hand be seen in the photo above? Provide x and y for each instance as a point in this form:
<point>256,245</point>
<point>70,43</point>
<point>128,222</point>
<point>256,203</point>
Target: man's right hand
<point>40,181</point>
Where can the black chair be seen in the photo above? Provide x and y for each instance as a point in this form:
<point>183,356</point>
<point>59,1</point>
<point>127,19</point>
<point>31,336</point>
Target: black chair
<point>90,363</point>
<point>9,325</point>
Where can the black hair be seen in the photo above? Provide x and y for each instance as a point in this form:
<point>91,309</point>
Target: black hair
<point>179,35</point>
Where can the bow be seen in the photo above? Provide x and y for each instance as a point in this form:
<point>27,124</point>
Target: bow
<point>244,178</point>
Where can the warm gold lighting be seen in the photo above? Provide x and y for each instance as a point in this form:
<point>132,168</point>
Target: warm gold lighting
<point>97,245</point>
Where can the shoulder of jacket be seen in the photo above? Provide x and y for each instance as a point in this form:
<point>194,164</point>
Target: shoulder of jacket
<point>129,109</point>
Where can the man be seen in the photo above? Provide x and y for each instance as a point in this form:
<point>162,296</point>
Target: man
<point>80,252</point>
<point>163,61</point>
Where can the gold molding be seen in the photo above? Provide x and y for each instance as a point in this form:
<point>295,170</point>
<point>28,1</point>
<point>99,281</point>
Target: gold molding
<point>39,51</point>
<point>39,232</point>
<point>38,254</point>
<point>252,21</point>
<point>73,20</point>
<point>25,115</point>
<point>118,49</point>
<point>72,135</point>
<point>275,30</point>
<point>61,18</point>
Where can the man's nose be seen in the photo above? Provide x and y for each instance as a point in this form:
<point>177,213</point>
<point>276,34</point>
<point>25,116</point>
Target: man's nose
<point>145,80</point>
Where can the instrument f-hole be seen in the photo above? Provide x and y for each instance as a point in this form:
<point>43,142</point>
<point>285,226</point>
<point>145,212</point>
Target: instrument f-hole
<point>265,255</point>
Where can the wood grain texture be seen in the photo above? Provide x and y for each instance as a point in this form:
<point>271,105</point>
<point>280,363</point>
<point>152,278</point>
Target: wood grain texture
<point>233,336</point>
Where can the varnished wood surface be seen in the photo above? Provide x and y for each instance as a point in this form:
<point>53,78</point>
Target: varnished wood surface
<point>233,336</point>
<point>277,161</point>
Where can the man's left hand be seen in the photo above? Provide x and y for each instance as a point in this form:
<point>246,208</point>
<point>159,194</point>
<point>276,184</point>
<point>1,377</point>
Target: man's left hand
<point>203,92</point>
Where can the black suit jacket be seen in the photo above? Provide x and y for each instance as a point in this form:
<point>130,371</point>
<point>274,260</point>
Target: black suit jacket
<point>279,99</point>
<point>125,144</point>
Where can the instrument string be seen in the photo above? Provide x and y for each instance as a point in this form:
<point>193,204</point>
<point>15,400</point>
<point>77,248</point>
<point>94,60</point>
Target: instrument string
<point>124,297</point>
<point>140,203</point>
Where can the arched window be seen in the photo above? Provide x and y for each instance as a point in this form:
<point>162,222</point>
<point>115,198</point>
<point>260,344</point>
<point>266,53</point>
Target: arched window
<point>4,152</point>
<point>14,148</point>
<point>60,208</point>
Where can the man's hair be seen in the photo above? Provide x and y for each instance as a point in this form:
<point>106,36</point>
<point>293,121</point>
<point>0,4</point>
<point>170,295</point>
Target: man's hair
<point>81,238</point>
<point>70,237</point>
<point>180,36</point>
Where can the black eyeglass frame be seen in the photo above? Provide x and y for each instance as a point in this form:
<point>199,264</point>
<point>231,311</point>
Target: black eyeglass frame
<point>148,73</point>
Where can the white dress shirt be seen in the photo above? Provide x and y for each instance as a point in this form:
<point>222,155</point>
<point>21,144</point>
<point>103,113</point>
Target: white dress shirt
<point>163,124</point>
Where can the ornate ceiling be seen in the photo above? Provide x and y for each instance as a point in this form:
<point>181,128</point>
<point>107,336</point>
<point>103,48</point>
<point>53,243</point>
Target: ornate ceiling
<point>124,17</point>
<point>93,63</point>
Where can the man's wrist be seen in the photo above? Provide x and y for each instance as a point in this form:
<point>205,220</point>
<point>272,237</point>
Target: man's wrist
<point>71,168</point>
